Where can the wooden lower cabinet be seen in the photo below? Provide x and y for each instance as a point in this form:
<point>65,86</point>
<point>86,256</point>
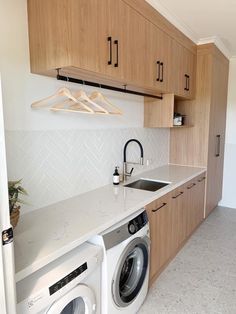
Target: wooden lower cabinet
<point>177,204</point>
<point>109,42</point>
<point>194,203</point>
<point>160,219</point>
<point>172,220</point>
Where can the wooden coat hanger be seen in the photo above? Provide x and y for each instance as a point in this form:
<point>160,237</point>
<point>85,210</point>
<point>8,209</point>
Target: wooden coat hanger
<point>99,96</point>
<point>82,96</point>
<point>65,92</point>
<point>79,102</point>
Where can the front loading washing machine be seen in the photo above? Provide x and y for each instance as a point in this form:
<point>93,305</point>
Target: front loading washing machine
<point>69,285</point>
<point>125,268</point>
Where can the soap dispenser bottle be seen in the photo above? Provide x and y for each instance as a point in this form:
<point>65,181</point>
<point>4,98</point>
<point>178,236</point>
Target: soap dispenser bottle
<point>116,177</point>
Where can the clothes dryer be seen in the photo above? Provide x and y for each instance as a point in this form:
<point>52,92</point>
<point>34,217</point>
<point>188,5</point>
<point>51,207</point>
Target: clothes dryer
<point>69,285</point>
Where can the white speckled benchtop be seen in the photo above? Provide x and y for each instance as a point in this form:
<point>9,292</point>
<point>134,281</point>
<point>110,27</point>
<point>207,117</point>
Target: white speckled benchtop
<point>47,233</point>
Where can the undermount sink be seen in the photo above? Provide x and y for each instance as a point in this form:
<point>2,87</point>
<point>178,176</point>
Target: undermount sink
<point>148,185</point>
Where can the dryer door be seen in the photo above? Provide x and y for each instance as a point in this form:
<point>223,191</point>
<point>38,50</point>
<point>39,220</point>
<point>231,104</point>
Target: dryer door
<point>131,272</point>
<point>80,300</point>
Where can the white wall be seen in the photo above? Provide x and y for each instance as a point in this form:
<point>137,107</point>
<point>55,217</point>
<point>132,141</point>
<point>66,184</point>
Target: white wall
<point>229,192</point>
<point>61,155</point>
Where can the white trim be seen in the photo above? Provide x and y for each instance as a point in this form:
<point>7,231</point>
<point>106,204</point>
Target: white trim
<point>7,269</point>
<point>219,44</point>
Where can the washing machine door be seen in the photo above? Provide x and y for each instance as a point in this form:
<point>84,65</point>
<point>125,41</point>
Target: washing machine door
<point>131,272</point>
<point>80,300</point>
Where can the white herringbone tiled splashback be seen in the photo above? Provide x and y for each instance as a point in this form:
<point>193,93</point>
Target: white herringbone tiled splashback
<point>56,165</point>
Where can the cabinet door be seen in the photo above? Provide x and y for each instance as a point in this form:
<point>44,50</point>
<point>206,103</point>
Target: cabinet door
<point>88,25</point>
<point>216,133</point>
<point>184,71</point>
<point>114,48</point>
<point>158,58</point>
<point>192,206</point>
<point>201,192</point>
<point>160,216</point>
<point>195,198</point>
<point>135,47</point>
<point>179,218</point>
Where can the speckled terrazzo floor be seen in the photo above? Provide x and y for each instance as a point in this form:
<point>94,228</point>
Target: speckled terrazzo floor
<point>202,277</point>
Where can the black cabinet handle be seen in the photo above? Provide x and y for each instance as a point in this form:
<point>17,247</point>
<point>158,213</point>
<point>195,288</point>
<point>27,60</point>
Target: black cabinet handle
<point>177,195</point>
<point>202,179</point>
<point>188,80</point>
<point>155,210</point>
<point>117,53</point>
<point>158,71</point>
<point>191,186</point>
<point>162,71</point>
<point>109,39</point>
<point>217,145</point>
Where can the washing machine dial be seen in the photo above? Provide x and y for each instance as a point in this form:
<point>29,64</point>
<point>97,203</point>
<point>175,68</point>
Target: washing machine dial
<point>132,228</point>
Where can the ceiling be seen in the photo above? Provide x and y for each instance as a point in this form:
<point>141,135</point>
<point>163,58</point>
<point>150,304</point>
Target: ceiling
<point>203,20</point>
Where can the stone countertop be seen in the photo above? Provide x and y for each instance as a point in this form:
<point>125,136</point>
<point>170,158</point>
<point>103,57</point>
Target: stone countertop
<point>47,233</point>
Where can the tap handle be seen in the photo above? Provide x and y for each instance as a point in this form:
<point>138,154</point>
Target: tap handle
<point>131,171</point>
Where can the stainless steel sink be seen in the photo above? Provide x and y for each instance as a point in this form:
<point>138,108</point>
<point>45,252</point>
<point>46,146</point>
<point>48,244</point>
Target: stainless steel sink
<point>148,185</point>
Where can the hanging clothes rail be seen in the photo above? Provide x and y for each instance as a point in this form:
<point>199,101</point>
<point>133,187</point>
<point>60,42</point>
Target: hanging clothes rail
<point>117,89</point>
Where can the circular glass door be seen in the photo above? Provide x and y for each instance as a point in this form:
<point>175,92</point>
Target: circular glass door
<point>79,300</point>
<point>76,306</point>
<point>131,272</point>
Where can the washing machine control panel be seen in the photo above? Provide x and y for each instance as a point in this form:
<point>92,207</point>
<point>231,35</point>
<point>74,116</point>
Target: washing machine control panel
<point>137,223</point>
<point>64,281</point>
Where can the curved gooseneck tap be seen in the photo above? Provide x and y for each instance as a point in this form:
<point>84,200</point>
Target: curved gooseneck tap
<point>125,173</point>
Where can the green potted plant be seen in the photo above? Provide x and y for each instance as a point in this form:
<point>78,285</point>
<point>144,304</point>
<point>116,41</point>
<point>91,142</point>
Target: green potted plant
<point>15,190</point>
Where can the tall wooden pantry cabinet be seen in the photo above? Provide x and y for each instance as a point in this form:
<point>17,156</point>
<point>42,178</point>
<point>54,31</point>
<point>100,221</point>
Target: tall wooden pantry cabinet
<point>203,145</point>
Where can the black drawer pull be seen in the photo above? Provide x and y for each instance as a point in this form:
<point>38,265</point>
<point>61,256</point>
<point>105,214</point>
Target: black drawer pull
<point>202,179</point>
<point>158,71</point>
<point>191,186</point>
<point>155,210</point>
<point>117,53</point>
<point>109,39</point>
<point>177,195</point>
<point>162,71</point>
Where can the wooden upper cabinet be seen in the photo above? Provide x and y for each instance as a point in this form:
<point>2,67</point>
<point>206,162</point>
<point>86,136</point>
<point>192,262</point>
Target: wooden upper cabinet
<point>158,58</point>
<point>184,71</point>
<point>106,41</point>
<point>110,39</point>
<point>82,34</point>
